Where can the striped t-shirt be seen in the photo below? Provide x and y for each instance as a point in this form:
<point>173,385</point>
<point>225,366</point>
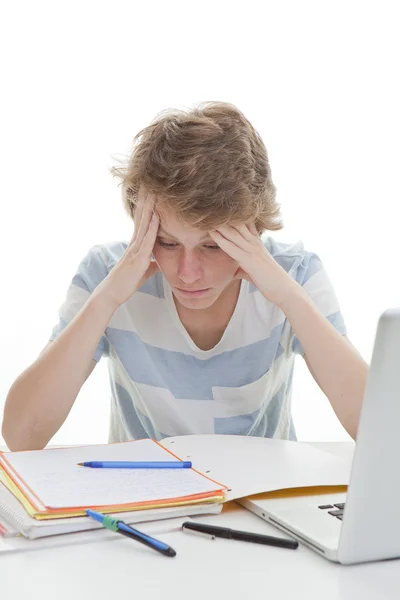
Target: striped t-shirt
<point>163,385</point>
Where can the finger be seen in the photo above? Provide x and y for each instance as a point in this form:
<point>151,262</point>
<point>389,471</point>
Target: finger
<point>141,197</point>
<point>227,246</point>
<point>150,236</point>
<point>233,235</point>
<point>245,232</point>
<point>145,219</point>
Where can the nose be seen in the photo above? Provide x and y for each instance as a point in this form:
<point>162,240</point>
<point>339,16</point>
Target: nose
<point>189,267</point>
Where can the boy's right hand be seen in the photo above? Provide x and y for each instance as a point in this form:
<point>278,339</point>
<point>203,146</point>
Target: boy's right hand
<point>136,264</point>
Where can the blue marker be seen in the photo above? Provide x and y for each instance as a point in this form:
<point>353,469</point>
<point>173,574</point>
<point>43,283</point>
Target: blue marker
<point>134,534</point>
<point>177,464</point>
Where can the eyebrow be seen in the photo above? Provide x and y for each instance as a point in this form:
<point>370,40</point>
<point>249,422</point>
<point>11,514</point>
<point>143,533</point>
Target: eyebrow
<point>164,232</point>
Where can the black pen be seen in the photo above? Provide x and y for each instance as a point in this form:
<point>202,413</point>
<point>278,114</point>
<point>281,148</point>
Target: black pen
<point>233,534</point>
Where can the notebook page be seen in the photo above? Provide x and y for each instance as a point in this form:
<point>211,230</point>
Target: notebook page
<point>57,480</point>
<point>251,465</point>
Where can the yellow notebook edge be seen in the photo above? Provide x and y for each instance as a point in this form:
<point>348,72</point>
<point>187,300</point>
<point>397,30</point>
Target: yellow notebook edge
<point>299,491</point>
<point>6,480</point>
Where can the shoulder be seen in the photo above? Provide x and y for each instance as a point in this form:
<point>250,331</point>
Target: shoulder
<point>300,263</point>
<point>97,263</point>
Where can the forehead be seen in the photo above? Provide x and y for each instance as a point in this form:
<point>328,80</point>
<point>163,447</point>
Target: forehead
<point>180,230</point>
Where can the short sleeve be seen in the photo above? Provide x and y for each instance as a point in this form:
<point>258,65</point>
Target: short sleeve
<point>313,278</point>
<point>91,271</point>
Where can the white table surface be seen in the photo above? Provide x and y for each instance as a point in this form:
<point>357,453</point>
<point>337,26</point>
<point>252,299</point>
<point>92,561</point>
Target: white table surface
<point>202,568</point>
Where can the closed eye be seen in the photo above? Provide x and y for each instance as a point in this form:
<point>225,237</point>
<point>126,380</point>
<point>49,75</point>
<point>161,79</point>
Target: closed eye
<point>171,245</point>
<point>166,244</point>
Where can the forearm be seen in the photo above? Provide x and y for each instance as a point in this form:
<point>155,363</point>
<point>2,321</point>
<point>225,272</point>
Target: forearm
<point>334,363</point>
<point>42,396</point>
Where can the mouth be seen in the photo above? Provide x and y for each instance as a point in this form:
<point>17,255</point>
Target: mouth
<point>193,293</point>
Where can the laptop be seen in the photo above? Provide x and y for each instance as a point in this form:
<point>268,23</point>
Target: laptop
<point>362,524</point>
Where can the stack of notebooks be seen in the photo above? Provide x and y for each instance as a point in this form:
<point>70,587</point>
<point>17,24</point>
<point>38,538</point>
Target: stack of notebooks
<point>45,492</point>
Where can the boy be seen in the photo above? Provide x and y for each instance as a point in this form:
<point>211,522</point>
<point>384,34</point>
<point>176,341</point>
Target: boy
<point>200,318</point>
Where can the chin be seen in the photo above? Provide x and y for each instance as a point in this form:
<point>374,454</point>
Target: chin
<point>196,303</point>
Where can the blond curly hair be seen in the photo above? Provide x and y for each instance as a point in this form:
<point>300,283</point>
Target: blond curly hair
<point>207,166</point>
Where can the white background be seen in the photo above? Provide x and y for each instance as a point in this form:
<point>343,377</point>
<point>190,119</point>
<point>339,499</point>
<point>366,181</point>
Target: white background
<point>320,82</point>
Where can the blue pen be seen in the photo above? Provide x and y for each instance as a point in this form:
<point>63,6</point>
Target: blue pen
<point>178,464</point>
<point>134,534</point>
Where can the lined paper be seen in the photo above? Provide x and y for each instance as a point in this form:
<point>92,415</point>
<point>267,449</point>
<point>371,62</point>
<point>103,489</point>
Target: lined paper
<point>53,475</point>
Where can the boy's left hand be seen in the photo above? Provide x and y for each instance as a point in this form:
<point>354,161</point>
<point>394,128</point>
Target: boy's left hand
<point>256,264</point>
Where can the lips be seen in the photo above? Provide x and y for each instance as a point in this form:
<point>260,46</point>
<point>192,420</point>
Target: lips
<point>200,290</point>
<point>193,293</point>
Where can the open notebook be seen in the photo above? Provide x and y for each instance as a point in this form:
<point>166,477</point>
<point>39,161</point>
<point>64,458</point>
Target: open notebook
<point>48,485</point>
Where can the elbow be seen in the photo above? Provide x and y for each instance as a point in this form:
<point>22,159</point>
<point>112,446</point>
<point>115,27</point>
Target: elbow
<point>18,435</point>
<point>11,437</point>
<point>11,441</point>
<point>6,429</point>
<point>353,434</point>
<point>352,427</point>
<point>17,441</point>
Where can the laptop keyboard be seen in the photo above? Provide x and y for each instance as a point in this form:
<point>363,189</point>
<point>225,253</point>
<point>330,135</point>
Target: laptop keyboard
<point>337,509</point>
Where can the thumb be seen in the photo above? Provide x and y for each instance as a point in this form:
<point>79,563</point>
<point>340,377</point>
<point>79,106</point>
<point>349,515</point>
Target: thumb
<point>241,274</point>
<point>153,268</point>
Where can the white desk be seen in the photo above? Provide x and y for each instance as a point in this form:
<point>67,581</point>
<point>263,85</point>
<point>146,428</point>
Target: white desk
<point>210,568</point>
